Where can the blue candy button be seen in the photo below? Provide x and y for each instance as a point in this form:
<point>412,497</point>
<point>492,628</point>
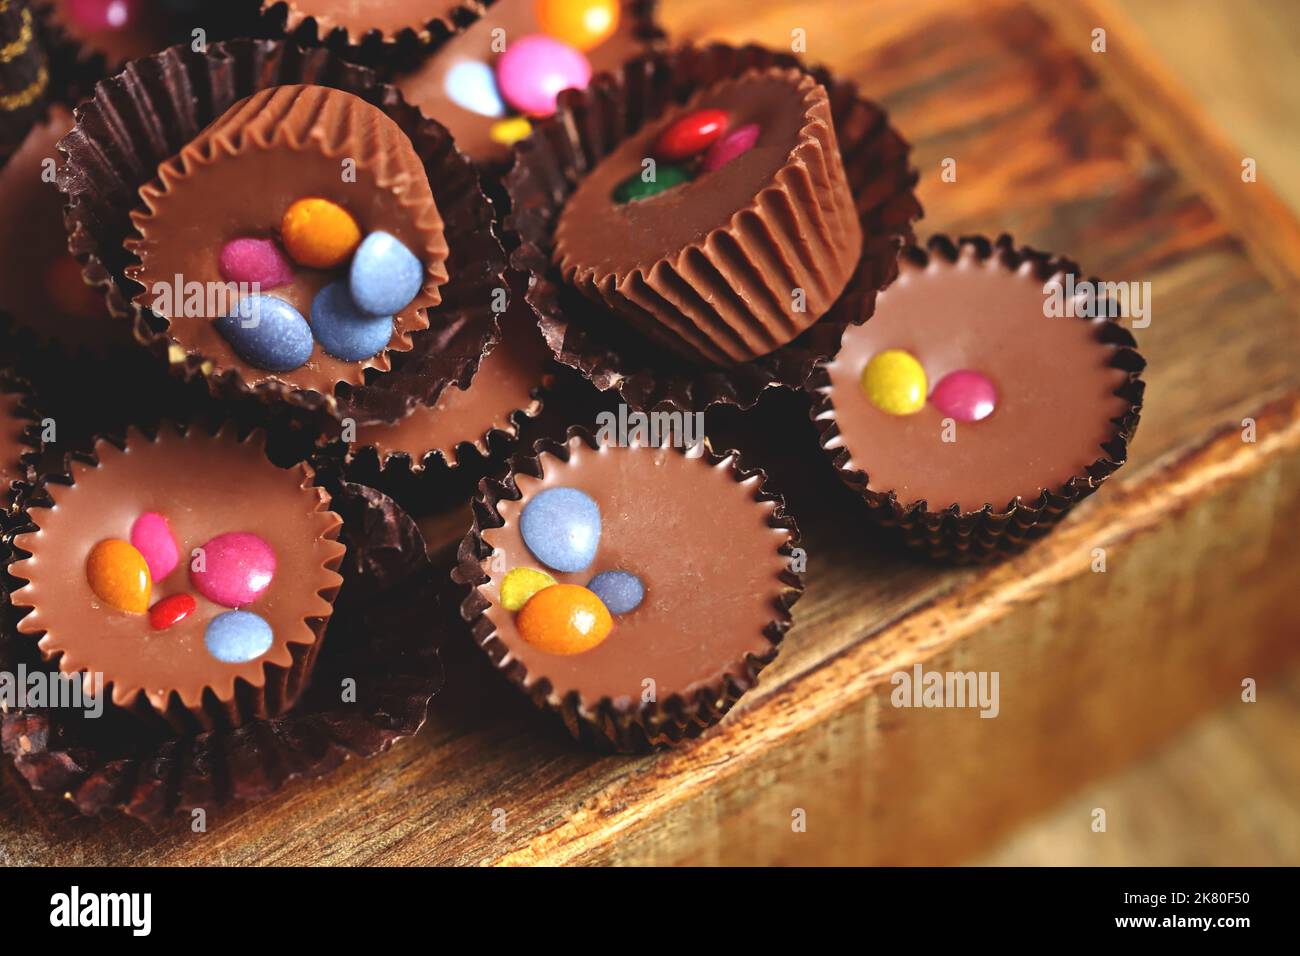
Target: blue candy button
<point>267,333</point>
<point>237,636</point>
<point>385,275</point>
<point>620,591</point>
<point>342,330</point>
<point>472,86</point>
<point>561,527</point>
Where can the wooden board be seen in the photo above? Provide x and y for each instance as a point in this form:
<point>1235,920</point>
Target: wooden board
<point>1095,155</point>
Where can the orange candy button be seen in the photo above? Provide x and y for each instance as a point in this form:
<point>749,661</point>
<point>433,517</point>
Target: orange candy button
<point>564,619</point>
<point>117,572</point>
<point>319,234</point>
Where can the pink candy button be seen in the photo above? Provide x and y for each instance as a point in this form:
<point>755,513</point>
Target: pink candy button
<point>103,14</point>
<point>255,260</point>
<point>535,69</point>
<point>152,537</point>
<point>736,143</point>
<point>236,568</point>
<point>965,395</point>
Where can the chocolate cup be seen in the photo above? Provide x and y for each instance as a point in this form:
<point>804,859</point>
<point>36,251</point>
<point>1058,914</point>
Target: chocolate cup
<point>610,726</point>
<point>145,114</point>
<point>283,18</point>
<point>950,534</point>
<point>379,636</point>
<point>587,127</point>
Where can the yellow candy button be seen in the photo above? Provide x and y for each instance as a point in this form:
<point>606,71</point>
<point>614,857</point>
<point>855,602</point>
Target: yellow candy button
<point>520,584</point>
<point>507,132</point>
<point>894,382</point>
<point>117,572</point>
<point>319,234</point>
<point>579,23</point>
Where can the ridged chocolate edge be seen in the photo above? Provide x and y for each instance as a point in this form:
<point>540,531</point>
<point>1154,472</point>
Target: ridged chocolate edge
<point>588,125</point>
<point>145,114</point>
<point>378,636</point>
<point>951,534</point>
<point>607,727</point>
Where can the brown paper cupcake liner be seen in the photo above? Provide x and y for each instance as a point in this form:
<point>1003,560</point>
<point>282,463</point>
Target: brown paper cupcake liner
<point>380,636</point>
<point>587,127</point>
<point>281,683</point>
<point>610,725</point>
<point>948,533</point>
<point>146,114</point>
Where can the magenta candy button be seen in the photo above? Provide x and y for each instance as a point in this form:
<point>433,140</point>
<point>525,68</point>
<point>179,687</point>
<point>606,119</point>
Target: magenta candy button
<point>255,260</point>
<point>535,69</point>
<point>152,537</point>
<point>965,395</point>
<point>736,143</point>
<point>236,568</point>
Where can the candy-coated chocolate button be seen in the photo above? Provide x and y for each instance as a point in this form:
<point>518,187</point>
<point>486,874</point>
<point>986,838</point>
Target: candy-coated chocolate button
<point>736,143</point>
<point>580,23</point>
<point>255,260</point>
<point>234,637</point>
<point>621,591</point>
<point>471,85</point>
<point>236,568</point>
<point>319,233</point>
<point>267,333</point>
<point>894,382</point>
<point>385,275</point>
<point>561,527</point>
<point>535,69</point>
<point>507,132</point>
<point>68,291</point>
<point>564,619</point>
<point>171,610</point>
<point>966,395</point>
<point>343,330</point>
<point>119,576</point>
<point>690,134</point>
<point>635,186</point>
<point>520,584</point>
<point>103,14</point>
<point>152,537</point>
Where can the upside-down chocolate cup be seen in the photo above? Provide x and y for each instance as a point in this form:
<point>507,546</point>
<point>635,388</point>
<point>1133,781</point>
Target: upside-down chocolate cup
<point>1046,420</point>
<point>591,126</point>
<point>146,115</point>
<point>382,642</point>
<point>671,667</point>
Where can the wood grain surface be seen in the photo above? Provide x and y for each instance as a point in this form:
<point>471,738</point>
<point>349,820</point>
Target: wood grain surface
<point>1070,151</point>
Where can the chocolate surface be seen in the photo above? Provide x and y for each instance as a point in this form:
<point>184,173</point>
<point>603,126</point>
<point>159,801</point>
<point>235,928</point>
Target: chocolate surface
<point>237,178</point>
<point>736,262</point>
<point>699,541</point>
<point>204,486</point>
<point>504,384</point>
<point>34,244</point>
<point>426,86</point>
<point>359,17</point>
<point>1056,387</point>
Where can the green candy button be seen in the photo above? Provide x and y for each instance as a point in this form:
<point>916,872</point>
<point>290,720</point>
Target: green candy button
<point>666,177</point>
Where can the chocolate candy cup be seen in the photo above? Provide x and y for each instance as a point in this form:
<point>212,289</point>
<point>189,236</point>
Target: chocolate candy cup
<point>382,635</point>
<point>406,23</point>
<point>626,722</point>
<point>590,125</point>
<point>146,114</point>
<point>948,531</point>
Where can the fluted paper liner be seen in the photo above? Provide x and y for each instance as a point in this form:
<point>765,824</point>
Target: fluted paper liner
<point>589,125</point>
<point>606,724</point>
<point>267,688</point>
<point>798,232</point>
<point>145,115</point>
<point>948,533</point>
<point>383,635</point>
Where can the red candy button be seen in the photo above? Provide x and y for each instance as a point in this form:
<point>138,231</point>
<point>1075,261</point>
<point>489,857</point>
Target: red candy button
<point>691,134</point>
<point>170,610</point>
